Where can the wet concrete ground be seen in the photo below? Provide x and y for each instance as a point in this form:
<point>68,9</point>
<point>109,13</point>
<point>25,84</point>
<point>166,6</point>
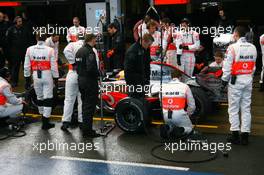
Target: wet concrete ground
<point>21,155</point>
<point>27,155</point>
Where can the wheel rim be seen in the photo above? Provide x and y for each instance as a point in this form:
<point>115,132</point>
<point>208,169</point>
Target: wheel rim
<point>130,118</point>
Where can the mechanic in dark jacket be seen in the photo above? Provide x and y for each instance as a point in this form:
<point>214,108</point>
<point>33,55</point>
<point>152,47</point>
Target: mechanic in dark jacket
<point>116,51</point>
<point>88,74</point>
<point>17,42</point>
<point>137,65</point>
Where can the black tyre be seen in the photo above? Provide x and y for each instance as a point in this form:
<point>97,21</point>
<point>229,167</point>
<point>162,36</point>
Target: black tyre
<point>131,115</point>
<point>31,99</point>
<point>202,102</point>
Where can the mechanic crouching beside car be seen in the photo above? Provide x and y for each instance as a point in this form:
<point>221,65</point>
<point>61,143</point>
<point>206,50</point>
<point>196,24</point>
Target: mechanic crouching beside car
<point>88,73</point>
<point>10,105</point>
<point>238,70</point>
<point>137,65</point>
<point>177,105</point>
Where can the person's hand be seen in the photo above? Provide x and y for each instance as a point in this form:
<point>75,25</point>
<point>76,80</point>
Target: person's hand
<point>110,53</point>
<point>179,60</point>
<point>224,84</point>
<point>55,80</point>
<point>183,47</point>
<point>1,50</point>
<point>24,102</point>
<point>28,83</point>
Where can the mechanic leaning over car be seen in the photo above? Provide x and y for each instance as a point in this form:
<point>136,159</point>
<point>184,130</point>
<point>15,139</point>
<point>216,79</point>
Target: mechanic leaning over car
<point>41,61</point>
<point>10,105</point>
<point>176,96</point>
<point>137,65</point>
<point>238,70</point>
<point>187,42</point>
<point>261,41</point>
<point>88,73</point>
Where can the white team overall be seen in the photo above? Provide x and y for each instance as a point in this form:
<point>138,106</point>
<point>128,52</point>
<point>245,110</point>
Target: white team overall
<point>261,42</point>
<point>71,87</point>
<point>10,105</point>
<point>187,42</point>
<point>175,97</point>
<point>41,62</point>
<point>238,70</point>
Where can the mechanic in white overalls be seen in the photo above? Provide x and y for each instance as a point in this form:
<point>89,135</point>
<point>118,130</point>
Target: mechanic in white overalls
<point>187,42</point>
<point>41,62</point>
<point>155,48</point>
<point>177,105</point>
<point>238,71</point>
<point>261,42</point>
<point>71,86</point>
<point>10,105</point>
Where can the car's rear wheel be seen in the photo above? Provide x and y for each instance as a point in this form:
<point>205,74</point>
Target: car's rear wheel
<point>131,115</point>
<point>202,102</point>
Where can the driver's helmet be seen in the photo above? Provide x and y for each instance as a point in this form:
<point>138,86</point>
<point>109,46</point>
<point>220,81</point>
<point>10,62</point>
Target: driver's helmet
<point>120,75</point>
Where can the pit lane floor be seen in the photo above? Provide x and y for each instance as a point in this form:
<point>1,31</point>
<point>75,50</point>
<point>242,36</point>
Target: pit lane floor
<point>121,153</point>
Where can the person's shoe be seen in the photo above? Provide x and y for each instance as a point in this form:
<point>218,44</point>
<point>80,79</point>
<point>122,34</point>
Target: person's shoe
<point>46,125</point>
<point>244,138</point>
<point>164,131</point>
<point>65,126</point>
<point>177,132</point>
<point>90,134</point>
<point>234,138</point>
<point>261,89</point>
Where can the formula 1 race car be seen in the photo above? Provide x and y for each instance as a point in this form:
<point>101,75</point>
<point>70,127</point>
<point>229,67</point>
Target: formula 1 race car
<point>130,113</point>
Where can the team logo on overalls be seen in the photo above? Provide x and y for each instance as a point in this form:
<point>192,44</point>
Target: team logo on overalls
<point>245,66</point>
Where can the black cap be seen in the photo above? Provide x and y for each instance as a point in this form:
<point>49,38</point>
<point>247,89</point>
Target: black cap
<point>4,72</point>
<point>186,20</point>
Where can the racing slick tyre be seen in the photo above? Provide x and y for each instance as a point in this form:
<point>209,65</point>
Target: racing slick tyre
<point>31,99</point>
<point>202,102</point>
<point>132,115</point>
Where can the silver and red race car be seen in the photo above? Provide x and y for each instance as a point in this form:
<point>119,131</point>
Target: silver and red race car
<point>130,114</point>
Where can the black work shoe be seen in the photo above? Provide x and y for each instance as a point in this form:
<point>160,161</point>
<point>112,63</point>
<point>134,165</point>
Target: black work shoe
<point>90,134</point>
<point>244,138</point>
<point>261,89</point>
<point>177,132</point>
<point>164,131</point>
<point>234,138</point>
<point>46,125</point>
<point>65,126</point>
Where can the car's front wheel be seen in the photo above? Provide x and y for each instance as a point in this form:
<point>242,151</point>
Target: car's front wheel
<point>131,115</point>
